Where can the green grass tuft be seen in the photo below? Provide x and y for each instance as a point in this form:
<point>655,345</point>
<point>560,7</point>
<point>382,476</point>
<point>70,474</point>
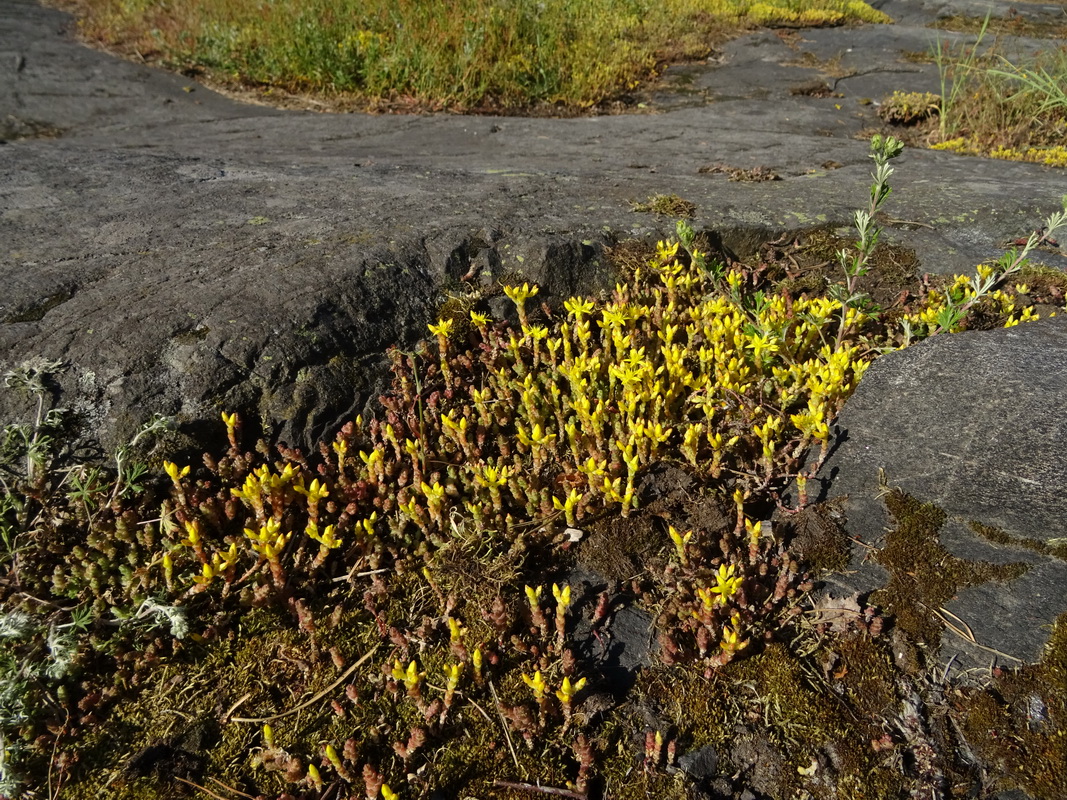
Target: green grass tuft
<point>467,54</point>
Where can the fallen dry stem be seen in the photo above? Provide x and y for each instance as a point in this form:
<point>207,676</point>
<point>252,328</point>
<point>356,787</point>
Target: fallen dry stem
<point>317,697</point>
<point>536,787</point>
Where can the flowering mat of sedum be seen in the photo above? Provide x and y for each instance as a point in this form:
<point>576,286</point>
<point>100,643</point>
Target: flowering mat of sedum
<point>432,605</point>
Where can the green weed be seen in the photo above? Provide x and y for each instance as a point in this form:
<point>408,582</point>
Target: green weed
<point>469,54</point>
<point>1007,108</point>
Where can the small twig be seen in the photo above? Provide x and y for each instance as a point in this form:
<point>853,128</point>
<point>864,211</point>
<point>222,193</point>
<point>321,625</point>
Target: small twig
<point>536,787</point>
<point>504,724</point>
<point>230,788</point>
<point>948,667</point>
<point>204,789</point>
<point>52,763</point>
<point>314,699</point>
<point>894,221</point>
<point>366,574</point>
<point>967,635</point>
<point>236,705</point>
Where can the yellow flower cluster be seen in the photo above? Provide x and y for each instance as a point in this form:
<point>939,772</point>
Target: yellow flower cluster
<point>961,292</point>
<point>1054,156</point>
<point>667,364</point>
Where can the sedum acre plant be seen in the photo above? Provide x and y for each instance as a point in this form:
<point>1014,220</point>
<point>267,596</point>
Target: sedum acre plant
<point>391,590</point>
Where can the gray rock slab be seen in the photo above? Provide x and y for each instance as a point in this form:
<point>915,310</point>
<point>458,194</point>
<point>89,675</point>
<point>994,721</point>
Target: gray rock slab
<point>185,253</point>
<point>975,423</point>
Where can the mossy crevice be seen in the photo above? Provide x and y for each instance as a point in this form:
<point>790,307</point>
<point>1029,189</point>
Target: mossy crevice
<point>1018,725</point>
<point>924,576</point>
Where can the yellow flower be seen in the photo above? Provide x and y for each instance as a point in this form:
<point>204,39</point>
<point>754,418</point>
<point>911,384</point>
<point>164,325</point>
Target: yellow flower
<point>536,436</point>
<point>172,470</point>
<point>666,252</point>
<point>223,561</point>
<point>680,541</point>
<point>316,492</point>
<point>726,586</point>
<point>436,491</point>
<point>491,476</point>
<point>563,596</point>
<point>326,538</point>
<point>371,459</point>
<point>731,636</point>
<point>455,630</point>
<point>726,582</point>
<point>520,294</point>
<point>760,344</point>
<point>193,531</point>
<point>205,578</point>
<point>443,328</point>
<point>537,683</point>
<point>568,690</point>
<point>411,677</point>
<point>578,307</point>
<point>452,676</point>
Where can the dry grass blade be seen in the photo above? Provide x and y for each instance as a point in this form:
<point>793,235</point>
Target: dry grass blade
<point>963,630</point>
<point>314,699</point>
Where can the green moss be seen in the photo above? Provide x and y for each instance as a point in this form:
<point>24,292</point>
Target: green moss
<point>867,675</point>
<point>1018,724</point>
<point>924,576</point>
<point>894,270</point>
<point>1014,25</point>
<point>998,536</point>
<point>667,205</point>
<point>36,312</point>
<point>772,715</point>
<point>908,108</point>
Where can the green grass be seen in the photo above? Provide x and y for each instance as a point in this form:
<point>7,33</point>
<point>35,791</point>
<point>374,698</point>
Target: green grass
<point>466,54</point>
<point>993,103</point>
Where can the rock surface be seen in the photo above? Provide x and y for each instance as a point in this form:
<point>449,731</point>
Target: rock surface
<point>184,253</point>
<point>974,423</point>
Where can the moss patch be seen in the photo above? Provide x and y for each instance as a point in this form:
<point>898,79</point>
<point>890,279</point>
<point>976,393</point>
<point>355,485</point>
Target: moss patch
<point>808,263</point>
<point>780,724</point>
<point>1012,25</point>
<point>923,574</point>
<point>667,205</point>
<point>1055,549</point>
<point>1019,723</point>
